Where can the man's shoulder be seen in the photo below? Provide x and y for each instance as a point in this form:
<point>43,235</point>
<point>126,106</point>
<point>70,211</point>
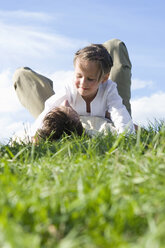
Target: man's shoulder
<point>96,124</point>
<point>50,99</point>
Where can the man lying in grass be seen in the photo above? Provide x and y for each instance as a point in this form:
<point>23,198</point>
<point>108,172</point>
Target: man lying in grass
<point>64,119</point>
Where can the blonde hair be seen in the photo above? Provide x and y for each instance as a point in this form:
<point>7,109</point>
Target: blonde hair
<point>97,53</point>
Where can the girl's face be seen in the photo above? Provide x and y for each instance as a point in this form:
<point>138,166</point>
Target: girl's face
<point>86,78</point>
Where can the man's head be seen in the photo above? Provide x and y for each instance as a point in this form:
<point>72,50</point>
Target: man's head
<point>92,67</point>
<point>60,120</point>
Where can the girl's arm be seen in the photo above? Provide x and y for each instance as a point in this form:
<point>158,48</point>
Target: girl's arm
<point>118,112</point>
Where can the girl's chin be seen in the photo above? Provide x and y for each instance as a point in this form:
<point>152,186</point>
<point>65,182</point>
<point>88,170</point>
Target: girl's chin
<point>83,92</point>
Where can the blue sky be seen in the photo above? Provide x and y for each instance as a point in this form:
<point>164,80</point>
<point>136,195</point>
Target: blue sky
<point>45,34</point>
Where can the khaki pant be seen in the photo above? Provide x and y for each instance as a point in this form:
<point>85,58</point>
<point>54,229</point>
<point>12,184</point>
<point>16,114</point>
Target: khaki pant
<point>121,69</point>
<point>34,89</point>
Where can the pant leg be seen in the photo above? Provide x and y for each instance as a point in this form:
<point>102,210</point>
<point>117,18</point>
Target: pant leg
<point>32,89</point>
<point>121,70</point>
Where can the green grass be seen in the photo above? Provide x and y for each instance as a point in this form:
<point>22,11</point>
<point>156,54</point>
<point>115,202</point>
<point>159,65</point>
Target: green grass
<point>105,191</point>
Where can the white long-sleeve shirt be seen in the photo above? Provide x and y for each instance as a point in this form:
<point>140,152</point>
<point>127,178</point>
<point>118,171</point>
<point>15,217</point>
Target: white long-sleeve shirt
<point>106,99</point>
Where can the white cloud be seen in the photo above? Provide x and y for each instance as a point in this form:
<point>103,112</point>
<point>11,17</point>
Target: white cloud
<point>8,98</point>
<point>5,78</point>
<point>23,15</point>
<point>60,78</point>
<point>32,41</point>
<point>150,108</point>
<point>8,127</point>
<point>23,42</point>
<point>140,84</point>
<point>12,113</point>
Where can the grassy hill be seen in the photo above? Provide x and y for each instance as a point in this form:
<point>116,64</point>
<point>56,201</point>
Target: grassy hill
<point>99,192</point>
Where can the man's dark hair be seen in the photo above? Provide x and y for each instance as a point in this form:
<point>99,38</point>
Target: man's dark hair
<point>57,122</point>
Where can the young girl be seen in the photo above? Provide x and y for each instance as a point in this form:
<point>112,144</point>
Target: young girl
<point>91,92</point>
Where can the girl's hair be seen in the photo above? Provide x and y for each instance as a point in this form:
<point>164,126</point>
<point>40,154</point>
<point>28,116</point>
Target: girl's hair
<point>56,123</point>
<point>97,53</point>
